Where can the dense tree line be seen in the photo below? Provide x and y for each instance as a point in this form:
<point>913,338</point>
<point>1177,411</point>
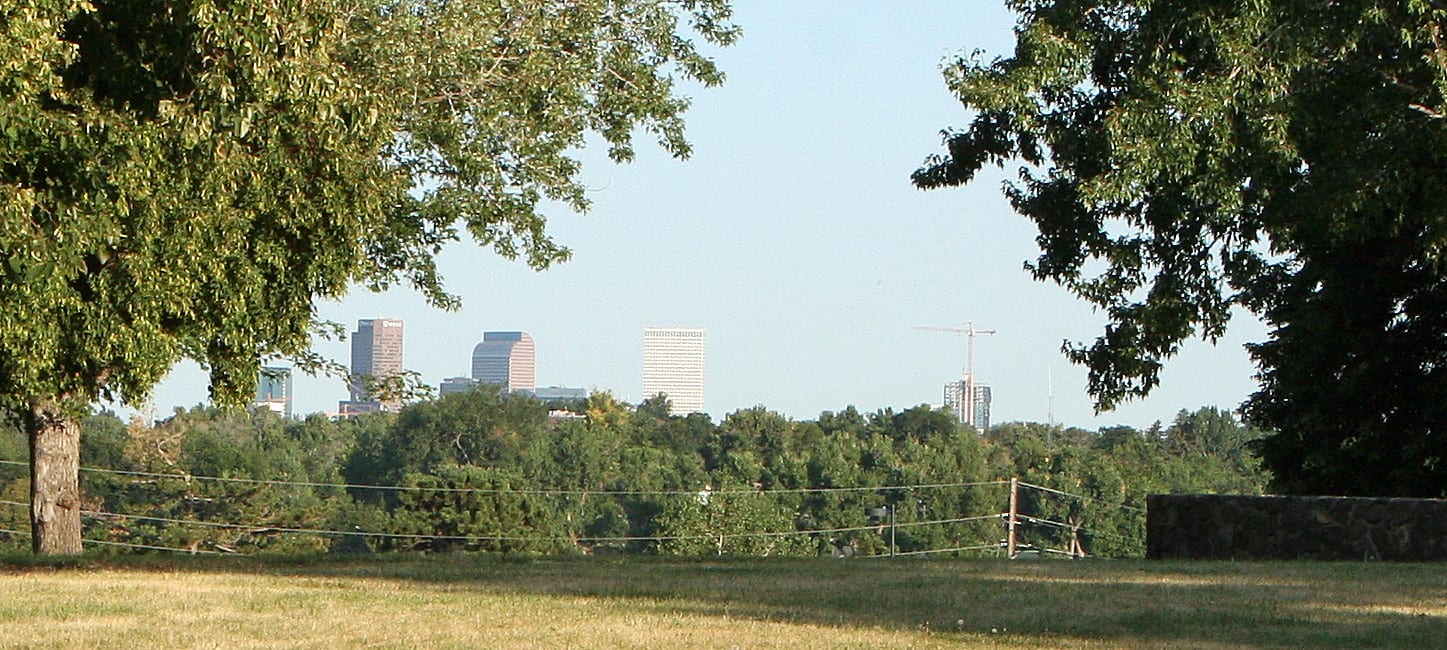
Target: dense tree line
<point>495,472</point>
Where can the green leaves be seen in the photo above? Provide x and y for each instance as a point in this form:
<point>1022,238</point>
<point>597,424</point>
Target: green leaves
<point>1182,158</point>
<point>184,179</point>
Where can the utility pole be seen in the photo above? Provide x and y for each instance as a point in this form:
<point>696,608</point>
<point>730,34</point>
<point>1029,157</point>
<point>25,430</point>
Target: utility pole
<point>970,333</point>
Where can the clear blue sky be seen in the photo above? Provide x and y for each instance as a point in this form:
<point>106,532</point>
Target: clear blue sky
<point>794,237</point>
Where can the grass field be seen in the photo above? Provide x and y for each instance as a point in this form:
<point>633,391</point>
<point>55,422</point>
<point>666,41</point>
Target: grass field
<point>472,602</point>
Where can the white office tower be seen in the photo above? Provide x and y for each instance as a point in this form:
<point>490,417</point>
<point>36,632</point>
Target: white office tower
<point>673,366</point>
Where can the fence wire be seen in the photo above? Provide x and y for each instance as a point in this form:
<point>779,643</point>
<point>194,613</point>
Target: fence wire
<point>266,528</point>
<point>524,491</point>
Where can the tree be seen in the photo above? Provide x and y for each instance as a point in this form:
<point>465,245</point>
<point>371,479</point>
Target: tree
<point>1209,431</point>
<point>730,522</point>
<point>184,178</point>
<point>1187,158</point>
<point>476,508</point>
<point>477,427</point>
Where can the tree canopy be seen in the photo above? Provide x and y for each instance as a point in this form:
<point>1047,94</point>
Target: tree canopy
<point>491,471</point>
<point>184,178</point>
<point>1183,159</point>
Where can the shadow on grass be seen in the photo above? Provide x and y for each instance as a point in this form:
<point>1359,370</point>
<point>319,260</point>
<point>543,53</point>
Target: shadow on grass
<point>1288,605</point>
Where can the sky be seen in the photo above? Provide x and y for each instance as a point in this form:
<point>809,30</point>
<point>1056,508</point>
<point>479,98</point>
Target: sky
<point>795,239</point>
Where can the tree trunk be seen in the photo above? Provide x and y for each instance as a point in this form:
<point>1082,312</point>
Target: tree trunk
<point>54,480</point>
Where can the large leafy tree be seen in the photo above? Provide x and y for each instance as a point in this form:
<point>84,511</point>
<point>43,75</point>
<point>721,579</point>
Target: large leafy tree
<point>184,178</point>
<point>1184,158</point>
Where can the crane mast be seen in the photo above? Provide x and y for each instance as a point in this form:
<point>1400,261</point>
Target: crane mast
<point>970,333</point>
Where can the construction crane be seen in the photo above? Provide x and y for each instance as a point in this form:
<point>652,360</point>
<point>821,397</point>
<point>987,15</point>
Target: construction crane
<point>970,333</point>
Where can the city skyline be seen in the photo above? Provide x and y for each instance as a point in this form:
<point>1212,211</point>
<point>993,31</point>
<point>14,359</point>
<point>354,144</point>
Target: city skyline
<point>673,362</point>
<point>673,365</point>
<point>794,237</point>
<point>978,416</point>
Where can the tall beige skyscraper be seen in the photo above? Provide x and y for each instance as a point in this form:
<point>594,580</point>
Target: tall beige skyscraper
<point>507,359</point>
<point>673,366</point>
<point>376,356</point>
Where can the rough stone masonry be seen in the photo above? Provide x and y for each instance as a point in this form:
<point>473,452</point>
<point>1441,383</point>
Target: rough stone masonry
<point>1232,527</point>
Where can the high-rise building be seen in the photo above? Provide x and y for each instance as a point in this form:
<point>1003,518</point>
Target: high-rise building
<point>376,357</point>
<point>673,366</point>
<point>507,359</point>
<point>955,400</point>
<point>982,408</point>
<point>975,412</point>
<point>273,390</point>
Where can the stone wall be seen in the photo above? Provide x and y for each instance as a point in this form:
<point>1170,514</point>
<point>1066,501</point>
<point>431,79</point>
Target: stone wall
<point>1230,527</point>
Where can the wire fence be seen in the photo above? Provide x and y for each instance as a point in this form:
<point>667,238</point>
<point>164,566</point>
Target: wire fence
<point>526,491</point>
<point>1126,536</point>
<point>1077,496</point>
<point>148,527</point>
<point>137,547</point>
<point>257,528</point>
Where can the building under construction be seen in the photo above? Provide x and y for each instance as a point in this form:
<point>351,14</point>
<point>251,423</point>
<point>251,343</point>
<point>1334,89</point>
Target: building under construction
<point>974,412</point>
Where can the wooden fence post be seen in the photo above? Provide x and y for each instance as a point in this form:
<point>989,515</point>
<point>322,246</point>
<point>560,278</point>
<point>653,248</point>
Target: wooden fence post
<point>1010,522</point>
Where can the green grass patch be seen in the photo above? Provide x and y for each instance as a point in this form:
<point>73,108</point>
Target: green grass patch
<point>462,601</point>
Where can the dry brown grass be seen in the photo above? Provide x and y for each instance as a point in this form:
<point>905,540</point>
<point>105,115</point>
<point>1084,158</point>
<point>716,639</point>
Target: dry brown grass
<point>468,602</point>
